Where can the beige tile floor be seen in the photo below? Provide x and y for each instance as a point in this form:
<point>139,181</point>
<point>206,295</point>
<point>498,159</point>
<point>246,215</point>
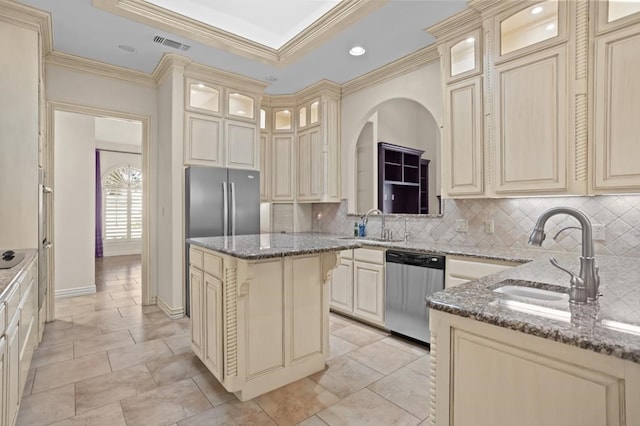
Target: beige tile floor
<point>107,360</point>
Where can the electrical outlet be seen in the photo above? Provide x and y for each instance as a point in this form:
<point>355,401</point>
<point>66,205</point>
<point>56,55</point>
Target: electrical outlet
<point>598,232</point>
<point>462,225</point>
<point>489,227</point>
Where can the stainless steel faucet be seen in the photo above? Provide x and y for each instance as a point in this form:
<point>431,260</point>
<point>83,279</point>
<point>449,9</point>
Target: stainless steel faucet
<point>584,287</point>
<point>366,220</point>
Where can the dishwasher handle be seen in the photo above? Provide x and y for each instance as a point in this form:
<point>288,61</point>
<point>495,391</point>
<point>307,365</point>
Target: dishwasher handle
<point>424,260</point>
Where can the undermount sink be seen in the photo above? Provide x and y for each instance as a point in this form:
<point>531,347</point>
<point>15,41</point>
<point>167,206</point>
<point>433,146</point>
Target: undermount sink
<point>538,294</point>
<point>550,303</point>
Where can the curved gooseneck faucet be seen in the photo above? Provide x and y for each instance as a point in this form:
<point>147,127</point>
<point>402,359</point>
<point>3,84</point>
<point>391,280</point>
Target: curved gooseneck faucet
<point>584,286</point>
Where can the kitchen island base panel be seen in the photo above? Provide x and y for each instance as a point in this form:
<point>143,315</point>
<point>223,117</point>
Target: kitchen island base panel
<point>489,375</point>
<point>275,324</point>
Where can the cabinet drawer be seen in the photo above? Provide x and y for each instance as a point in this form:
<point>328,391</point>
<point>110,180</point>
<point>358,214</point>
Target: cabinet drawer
<point>369,255</point>
<point>346,254</point>
<point>26,281</point>
<point>12,301</point>
<point>213,265</point>
<point>195,258</point>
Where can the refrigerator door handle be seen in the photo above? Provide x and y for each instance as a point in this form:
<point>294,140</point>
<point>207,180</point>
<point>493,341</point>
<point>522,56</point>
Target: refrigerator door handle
<point>233,208</point>
<point>225,208</point>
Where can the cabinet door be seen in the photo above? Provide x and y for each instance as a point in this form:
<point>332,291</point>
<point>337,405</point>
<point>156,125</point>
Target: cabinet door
<point>463,135</point>
<point>531,124</point>
<point>3,379</point>
<point>310,176</point>
<point>203,140</point>
<point>242,145</point>
<point>213,325</point>
<point>368,292</point>
<point>196,281</point>
<point>341,297</point>
<point>616,106</point>
<point>12,370</point>
<point>264,167</point>
<point>282,170</point>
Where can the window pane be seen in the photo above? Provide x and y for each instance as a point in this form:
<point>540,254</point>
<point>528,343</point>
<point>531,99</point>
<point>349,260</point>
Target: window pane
<point>529,26</point>
<point>122,189</point>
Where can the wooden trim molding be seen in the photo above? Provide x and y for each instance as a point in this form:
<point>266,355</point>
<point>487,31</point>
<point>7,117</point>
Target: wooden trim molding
<point>173,313</point>
<point>342,15</point>
<point>395,69</point>
<point>74,292</point>
<point>29,17</point>
<point>102,69</point>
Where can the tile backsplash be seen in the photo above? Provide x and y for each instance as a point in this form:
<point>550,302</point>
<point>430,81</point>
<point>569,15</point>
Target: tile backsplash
<point>513,219</point>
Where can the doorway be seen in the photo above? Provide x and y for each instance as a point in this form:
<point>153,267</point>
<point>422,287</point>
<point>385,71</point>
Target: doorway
<point>100,205</point>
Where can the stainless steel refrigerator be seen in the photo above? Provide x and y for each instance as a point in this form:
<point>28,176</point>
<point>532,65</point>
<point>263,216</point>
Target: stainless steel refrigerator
<point>220,202</point>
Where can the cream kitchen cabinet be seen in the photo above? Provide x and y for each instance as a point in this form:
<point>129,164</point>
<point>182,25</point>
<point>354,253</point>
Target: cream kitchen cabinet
<point>265,168</point>
<point>616,102</point>
<point>341,294</point>
<point>265,321</point>
<point>318,147</point>
<point>531,124</point>
<point>205,144</point>
<point>19,339</point>
<point>283,168</point>
<point>358,287</point>
<point>517,125</point>
<point>486,375</point>
<point>463,154</point>
<point>196,289</point>
<point>460,269</point>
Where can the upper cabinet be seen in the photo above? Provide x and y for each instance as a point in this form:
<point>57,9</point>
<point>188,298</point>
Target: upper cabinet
<point>616,101</point>
<point>512,125</point>
<point>221,127</point>
<point>304,145</point>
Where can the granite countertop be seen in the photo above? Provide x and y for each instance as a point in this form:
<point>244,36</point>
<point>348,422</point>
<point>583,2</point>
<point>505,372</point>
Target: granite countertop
<point>263,246</point>
<point>611,326</point>
<point>8,276</point>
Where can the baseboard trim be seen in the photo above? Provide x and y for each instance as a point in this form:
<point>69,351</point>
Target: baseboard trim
<point>173,313</point>
<point>74,292</point>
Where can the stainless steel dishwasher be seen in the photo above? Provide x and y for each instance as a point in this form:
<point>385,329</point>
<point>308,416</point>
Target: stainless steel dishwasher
<point>410,277</point>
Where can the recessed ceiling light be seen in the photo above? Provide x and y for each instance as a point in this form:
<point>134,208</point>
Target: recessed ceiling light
<point>536,10</point>
<point>551,26</point>
<point>271,78</point>
<point>357,51</point>
<point>471,40</point>
<point>127,49</point>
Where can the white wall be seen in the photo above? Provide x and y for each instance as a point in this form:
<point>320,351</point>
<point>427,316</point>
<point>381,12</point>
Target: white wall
<point>74,204</point>
<point>108,162</point>
<point>18,137</point>
<point>84,89</point>
<point>422,85</point>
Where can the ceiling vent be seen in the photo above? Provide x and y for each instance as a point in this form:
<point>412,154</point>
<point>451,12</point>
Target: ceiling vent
<point>171,43</point>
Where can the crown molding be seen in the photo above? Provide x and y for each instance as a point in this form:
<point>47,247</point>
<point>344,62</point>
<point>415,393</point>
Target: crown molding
<point>344,14</point>
<point>320,88</point>
<point>29,17</point>
<point>455,25</point>
<point>102,69</point>
<point>169,61</point>
<point>392,70</point>
<point>227,79</point>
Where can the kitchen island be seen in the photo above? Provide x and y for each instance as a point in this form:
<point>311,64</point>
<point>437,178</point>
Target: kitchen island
<point>259,307</point>
<point>501,359</point>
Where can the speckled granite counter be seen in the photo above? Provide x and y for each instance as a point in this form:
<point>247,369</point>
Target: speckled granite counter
<point>8,276</point>
<point>611,327</point>
<point>263,246</point>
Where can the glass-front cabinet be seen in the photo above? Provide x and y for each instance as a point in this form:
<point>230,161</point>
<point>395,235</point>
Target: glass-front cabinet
<point>240,106</point>
<point>203,97</point>
<point>463,56</point>
<point>282,120</point>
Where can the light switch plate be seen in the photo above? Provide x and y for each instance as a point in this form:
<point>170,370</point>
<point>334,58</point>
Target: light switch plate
<point>598,232</point>
<point>462,225</point>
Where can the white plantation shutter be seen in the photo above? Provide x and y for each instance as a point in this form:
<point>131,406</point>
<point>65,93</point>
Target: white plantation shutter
<point>122,189</point>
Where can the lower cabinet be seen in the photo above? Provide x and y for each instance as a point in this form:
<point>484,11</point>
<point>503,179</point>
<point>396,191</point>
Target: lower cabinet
<point>261,323</point>
<point>486,375</point>
<point>358,285</point>
<point>18,341</point>
<point>460,269</point>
